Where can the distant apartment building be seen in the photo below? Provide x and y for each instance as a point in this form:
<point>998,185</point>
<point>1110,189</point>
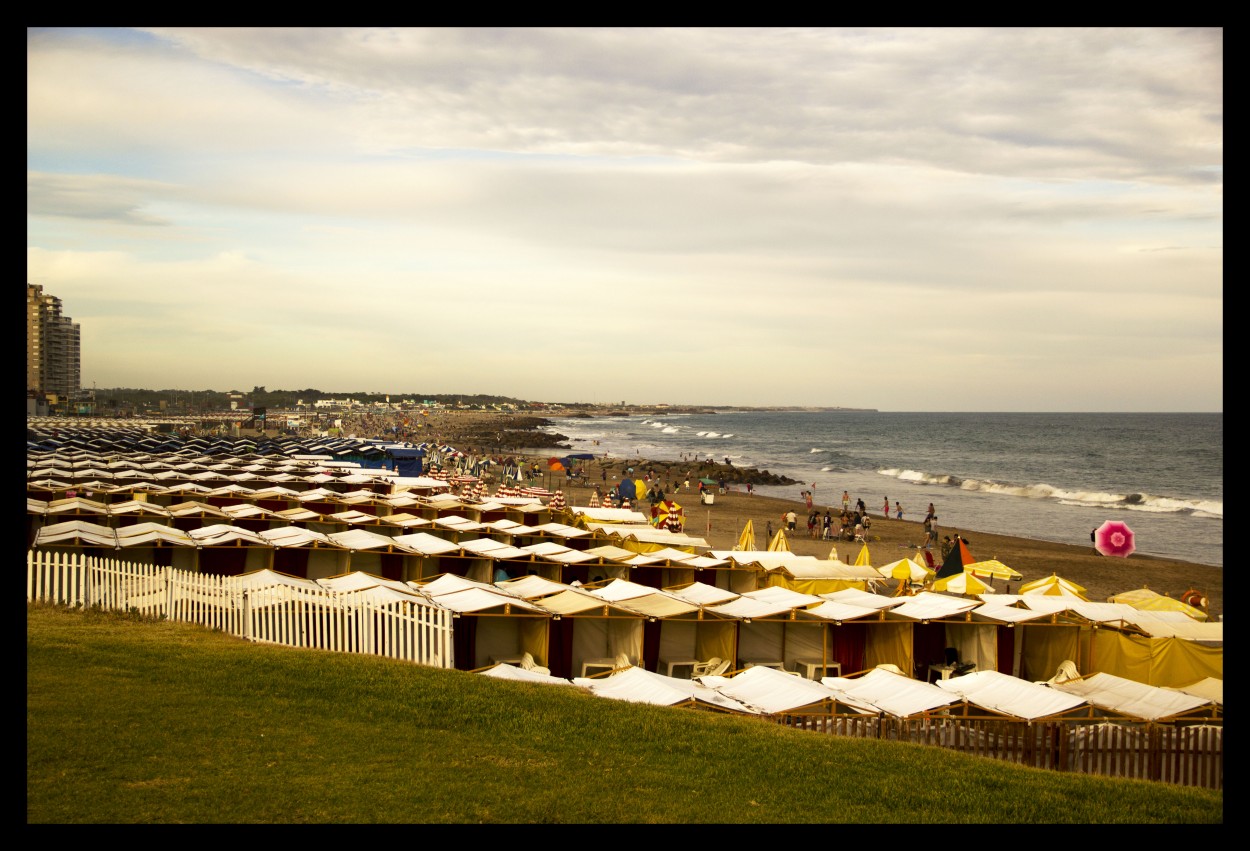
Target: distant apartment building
<point>53,352</point>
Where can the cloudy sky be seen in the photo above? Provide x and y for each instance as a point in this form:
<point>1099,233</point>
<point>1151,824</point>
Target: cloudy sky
<point>900,219</point>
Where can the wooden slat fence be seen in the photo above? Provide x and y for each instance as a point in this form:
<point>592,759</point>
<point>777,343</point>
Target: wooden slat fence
<point>1189,753</point>
<point>278,614</point>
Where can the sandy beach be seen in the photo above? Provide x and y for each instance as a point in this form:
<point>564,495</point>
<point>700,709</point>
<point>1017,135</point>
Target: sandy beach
<point>721,523</point>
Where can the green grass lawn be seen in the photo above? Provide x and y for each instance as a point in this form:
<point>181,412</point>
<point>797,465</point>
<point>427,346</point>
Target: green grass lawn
<point>139,721</point>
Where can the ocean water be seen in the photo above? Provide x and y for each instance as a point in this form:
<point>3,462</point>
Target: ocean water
<point>1051,477</point>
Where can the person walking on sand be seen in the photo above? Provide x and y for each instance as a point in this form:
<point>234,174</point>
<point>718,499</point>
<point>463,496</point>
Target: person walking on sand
<point>898,509</point>
<point>846,501</point>
<point>885,509</point>
<point>791,520</point>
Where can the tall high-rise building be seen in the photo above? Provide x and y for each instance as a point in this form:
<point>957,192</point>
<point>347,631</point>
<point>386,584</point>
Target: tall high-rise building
<point>53,351</point>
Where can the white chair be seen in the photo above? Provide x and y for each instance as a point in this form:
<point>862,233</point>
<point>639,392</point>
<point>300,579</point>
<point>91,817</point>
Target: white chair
<point>1067,671</point>
<point>713,667</point>
<point>622,661</point>
<point>528,663</point>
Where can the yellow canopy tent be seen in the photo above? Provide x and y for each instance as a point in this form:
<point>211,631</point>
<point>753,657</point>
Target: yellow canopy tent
<point>906,569</point>
<point>1054,586</point>
<point>962,583</point>
<point>1152,601</point>
<point>862,560</point>
<point>746,541</point>
<point>779,544</point>
<point>992,567</point>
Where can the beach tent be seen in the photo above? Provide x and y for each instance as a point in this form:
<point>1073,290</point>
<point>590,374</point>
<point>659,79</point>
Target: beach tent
<point>746,541</point>
<point>863,559</point>
<point>905,569</point>
<point>779,542</point>
<point>627,489</point>
<point>1152,601</point>
<point>1054,586</point>
<point>962,583</point>
<point>992,568</point>
<point>958,557</point>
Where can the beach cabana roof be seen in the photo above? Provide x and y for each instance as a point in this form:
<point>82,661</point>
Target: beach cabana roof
<point>1178,625</point>
<point>476,600</point>
<point>637,685</point>
<point>363,539</point>
<point>1131,698</point>
<point>532,587</point>
<point>746,608</point>
<point>770,691</point>
<point>223,534</point>
<point>77,532</point>
<point>893,694</point>
<point>77,505</point>
<point>404,521</point>
<point>1012,696</point>
<point>297,536</point>
<point>456,523</point>
<point>351,516</point>
<point>504,671</point>
<point>1209,688</point>
<point>645,600</point>
<point>423,543</point>
<point>598,517</point>
<point>572,602</point>
<point>556,553</point>
<point>1151,601</point>
<point>864,599</point>
<point>297,515</point>
<point>492,549</point>
<point>143,534</point>
<point>196,509</point>
<point>134,506</point>
<point>559,530</point>
<point>611,553</point>
<point>258,579</point>
<point>702,594</point>
<point>994,610</point>
<point>246,510</point>
<point>928,606</point>
<point>358,580</point>
<point>829,610</point>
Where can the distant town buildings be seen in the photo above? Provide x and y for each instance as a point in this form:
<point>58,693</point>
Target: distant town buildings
<point>53,352</point>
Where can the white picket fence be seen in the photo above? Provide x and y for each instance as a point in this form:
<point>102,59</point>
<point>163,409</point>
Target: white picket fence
<point>278,614</point>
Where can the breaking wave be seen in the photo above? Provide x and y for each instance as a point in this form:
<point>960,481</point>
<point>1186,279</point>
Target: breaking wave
<point>1090,499</point>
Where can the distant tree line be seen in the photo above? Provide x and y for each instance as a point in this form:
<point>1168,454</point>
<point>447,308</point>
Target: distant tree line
<point>195,401</point>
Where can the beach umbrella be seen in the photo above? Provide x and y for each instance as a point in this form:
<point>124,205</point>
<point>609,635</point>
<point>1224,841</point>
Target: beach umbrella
<point>556,503</point>
<point>1054,586</point>
<point>833,554</point>
<point>779,544</point>
<point>992,567</point>
<point>594,499</point>
<point>746,541</point>
<point>962,583</point>
<point>863,559</point>
<point>672,516</point>
<point>955,561</point>
<point>906,569</point>
<point>1151,601</point>
<point>1114,538</point>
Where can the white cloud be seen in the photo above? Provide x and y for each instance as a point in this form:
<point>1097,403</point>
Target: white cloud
<point>1019,216</point>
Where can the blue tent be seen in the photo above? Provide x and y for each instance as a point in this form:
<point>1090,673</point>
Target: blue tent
<point>627,490</point>
<point>406,462</point>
